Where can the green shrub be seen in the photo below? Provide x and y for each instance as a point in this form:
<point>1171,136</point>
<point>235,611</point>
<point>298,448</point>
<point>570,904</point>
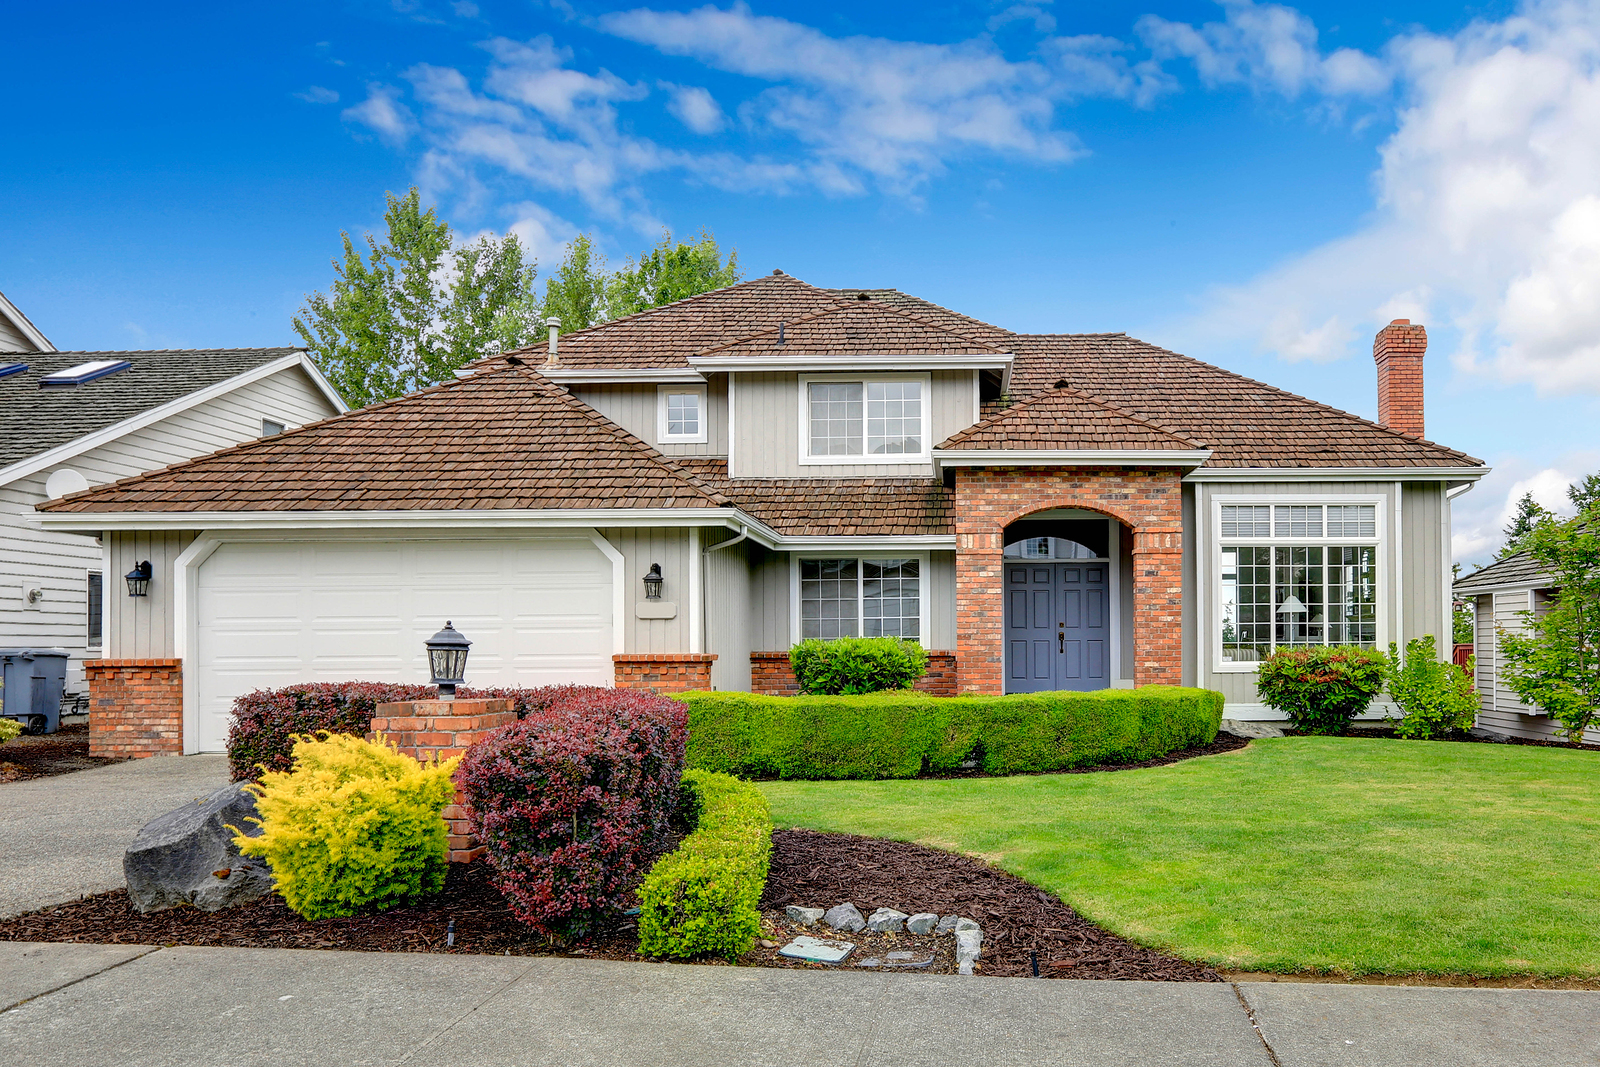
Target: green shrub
<point>1321,687</point>
<point>705,897</point>
<point>9,728</point>
<point>355,825</point>
<point>857,664</point>
<point>1437,698</point>
<point>901,734</point>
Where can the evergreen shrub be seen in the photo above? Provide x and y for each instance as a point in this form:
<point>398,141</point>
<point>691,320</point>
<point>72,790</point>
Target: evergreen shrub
<point>705,897</point>
<point>1437,698</point>
<point>355,825</point>
<point>857,664</point>
<point>1321,687</point>
<point>9,728</point>
<point>570,801</point>
<point>903,734</point>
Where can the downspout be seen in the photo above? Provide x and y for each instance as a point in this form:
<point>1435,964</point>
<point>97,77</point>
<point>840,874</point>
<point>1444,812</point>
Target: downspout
<point>744,532</point>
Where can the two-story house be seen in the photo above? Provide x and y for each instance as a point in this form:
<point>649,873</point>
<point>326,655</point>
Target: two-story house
<point>1039,511</point>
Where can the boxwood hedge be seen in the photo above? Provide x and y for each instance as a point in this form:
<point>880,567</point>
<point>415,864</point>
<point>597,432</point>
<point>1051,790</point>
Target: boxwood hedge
<point>902,734</point>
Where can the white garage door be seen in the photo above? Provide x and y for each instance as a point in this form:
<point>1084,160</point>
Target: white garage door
<point>537,611</point>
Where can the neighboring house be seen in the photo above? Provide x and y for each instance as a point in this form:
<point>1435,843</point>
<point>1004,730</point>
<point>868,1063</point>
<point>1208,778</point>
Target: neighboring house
<point>17,334</point>
<point>1500,593</point>
<point>71,420</point>
<point>1041,512</point>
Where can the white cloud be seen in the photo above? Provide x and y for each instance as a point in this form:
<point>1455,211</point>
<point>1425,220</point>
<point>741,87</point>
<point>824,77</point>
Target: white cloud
<point>384,114</point>
<point>1042,20</point>
<point>316,94</point>
<point>544,235</point>
<point>695,107</point>
<point>465,9</point>
<point>1480,516</point>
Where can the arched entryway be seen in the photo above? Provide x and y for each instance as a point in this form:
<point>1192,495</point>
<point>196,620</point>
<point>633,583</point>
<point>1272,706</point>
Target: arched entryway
<point>1061,602</point>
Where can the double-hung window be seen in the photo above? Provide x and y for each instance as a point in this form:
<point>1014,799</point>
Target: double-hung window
<point>1296,574</point>
<point>865,420</point>
<point>681,414</point>
<point>861,597</point>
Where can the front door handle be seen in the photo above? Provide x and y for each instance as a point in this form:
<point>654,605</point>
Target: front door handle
<point>1061,639</point>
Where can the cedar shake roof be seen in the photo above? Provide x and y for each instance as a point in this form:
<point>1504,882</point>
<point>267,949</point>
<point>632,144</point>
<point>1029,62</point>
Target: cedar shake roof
<point>1064,419</point>
<point>838,507</point>
<point>860,327</point>
<point>504,438</point>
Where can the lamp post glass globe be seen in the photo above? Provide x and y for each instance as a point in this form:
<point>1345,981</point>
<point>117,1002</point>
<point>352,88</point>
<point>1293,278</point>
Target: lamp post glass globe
<point>447,660</point>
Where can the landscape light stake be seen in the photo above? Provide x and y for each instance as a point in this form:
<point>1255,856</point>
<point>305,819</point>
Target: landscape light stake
<point>450,934</point>
<point>1033,957</point>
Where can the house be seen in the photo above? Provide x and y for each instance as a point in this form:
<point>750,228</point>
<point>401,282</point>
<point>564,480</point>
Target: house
<point>1040,511</point>
<point>1500,595</point>
<point>17,334</point>
<point>71,420</point>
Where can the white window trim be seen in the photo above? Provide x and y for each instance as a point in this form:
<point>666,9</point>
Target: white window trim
<point>1211,627</point>
<point>926,578</point>
<point>665,438</point>
<point>923,457</point>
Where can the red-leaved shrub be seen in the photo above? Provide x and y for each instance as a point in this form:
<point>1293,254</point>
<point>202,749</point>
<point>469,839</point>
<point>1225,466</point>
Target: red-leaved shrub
<point>572,800</point>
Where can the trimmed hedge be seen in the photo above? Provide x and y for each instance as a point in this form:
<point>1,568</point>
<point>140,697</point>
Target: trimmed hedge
<point>857,664</point>
<point>705,897</point>
<point>901,734</point>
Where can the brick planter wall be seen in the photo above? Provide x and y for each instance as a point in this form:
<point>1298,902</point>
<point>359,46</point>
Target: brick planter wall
<point>771,674</point>
<point>1150,502</point>
<point>438,729</point>
<point>135,707</point>
<point>663,672</point>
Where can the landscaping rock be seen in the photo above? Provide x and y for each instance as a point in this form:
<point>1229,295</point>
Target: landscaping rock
<point>803,916</point>
<point>965,926</point>
<point>887,921</point>
<point>846,917</point>
<point>907,961</point>
<point>1243,728</point>
<point>922,922</point>
<point>969,943</point>
<point>947,925</point>
<point>187,856</point>
<point>1489,735</point>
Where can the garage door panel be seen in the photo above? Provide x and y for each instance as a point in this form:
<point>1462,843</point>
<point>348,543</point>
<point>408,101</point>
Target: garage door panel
<point>538,612</point>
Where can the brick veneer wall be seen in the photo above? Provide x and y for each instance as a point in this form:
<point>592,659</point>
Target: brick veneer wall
<point>135,707</point>
<point>662,672</point>
<point>1398,350</point>
<point>438,729</point>
<point>988,499</point>
<point>770,673</point>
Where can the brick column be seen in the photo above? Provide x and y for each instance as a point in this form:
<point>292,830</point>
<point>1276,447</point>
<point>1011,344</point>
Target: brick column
<point>772,675</point>
<point>662,672</point>
<point>988,499</point>
<point>438,729</point>
<point>135,707</point>
<point>1398,351</point>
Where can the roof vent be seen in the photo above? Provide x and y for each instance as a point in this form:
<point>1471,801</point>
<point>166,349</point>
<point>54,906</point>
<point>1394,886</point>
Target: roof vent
<point>863,296</point>
<point>1062,384</point>
<point>775,270</point>
<point>83,372</point>
<point>780,333</point>
<point>8,369</point>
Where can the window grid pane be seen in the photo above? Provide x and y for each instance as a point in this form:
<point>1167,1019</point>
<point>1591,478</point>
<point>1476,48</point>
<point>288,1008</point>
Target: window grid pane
<point>894,418</point>
<point>1246,521</point>
<point>1352,520</point>
<point>1298,520</point>
<point>830,595</point>
<point>1293,595</point>
<point>891,604</point>
<point>683,414</point>
<point>837,418</point>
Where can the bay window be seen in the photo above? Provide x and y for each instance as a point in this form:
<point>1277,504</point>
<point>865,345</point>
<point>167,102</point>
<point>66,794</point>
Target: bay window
<point>864,420</point>
<point>861,597</point>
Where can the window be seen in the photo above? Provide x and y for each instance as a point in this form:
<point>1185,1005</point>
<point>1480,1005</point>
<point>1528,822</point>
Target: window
<point>869,420</point>
<point>1047,548</point>
<point>1273,595</point>
<point>861,598</point>
<point>681,414</point>
<point>270,428</point>
<point>96,608</point>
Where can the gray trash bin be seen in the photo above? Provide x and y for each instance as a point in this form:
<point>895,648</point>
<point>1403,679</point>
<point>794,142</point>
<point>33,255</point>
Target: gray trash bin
<point>31,680</point>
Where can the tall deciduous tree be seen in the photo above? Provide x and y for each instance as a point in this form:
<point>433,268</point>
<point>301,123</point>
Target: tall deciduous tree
<point>575,292</point>
<point>671,271</point>
<point>1555,664</point>
<point>414,307</point>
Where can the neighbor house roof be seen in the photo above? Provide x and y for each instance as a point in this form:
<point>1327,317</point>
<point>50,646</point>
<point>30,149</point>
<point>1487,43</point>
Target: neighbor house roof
<point>835,507</point>
<point>505,438</point>
<point>34,420</point>
<point>1518,569</point>
<point>17,333</point>
<point>1064,419</point>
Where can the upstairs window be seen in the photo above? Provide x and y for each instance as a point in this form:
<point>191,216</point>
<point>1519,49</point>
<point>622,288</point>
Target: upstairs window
<point>681,414</point>
<point>271,428</point>
<point>870,421</point>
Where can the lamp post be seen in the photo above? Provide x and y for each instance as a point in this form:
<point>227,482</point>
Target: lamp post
<point>447,660</point>
<point>139,580</point>
<point>652,582</point>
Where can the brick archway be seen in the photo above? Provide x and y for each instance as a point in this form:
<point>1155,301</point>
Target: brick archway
<point>1149,502</point>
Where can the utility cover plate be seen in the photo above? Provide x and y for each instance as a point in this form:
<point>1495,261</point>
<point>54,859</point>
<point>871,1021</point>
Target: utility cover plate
<point>816,949</point>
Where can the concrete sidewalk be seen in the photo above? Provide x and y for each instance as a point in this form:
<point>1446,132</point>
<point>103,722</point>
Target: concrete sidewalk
<point>86,1005</point>
<point>64,836</point>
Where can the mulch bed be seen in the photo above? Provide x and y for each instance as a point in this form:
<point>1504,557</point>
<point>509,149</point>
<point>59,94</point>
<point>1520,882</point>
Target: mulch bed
<point>808,868</point>
<point>62,752</point>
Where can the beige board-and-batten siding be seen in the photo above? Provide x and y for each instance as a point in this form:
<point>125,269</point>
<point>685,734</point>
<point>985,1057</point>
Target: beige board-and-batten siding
<point>59,563</point>
<point>1499,707</point>
<point>635,407</point>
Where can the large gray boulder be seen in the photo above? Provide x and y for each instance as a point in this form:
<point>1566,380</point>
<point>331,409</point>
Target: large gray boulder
<point>188,856</point>
<point>1249,728</point>
<point>845,917</point>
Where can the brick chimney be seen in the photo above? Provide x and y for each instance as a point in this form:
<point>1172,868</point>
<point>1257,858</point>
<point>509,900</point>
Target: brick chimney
<point>1398,350</point>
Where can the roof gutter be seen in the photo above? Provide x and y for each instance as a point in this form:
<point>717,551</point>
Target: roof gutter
<point>1337,474</point>
<point>1058,457</point>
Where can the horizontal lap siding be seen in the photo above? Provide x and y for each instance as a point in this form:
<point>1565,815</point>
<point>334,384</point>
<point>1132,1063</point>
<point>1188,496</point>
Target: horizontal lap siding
<point>56,564</point>
<point>1500,709</point>
<point>14,347</point>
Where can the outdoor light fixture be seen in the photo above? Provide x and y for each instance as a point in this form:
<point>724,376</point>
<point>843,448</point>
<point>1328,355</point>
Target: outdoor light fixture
<point>652,583</point>
<point>447,660</point>
<point>139,580</point>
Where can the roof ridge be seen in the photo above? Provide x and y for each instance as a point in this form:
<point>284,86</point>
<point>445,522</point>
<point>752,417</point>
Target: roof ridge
<point>850,306</point>
<point>1046,394</point>
<point>930,303</point>
<point>157,351</point>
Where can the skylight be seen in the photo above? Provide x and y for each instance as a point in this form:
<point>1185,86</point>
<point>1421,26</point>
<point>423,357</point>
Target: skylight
<point>83,372</point>
<point>8,369</point>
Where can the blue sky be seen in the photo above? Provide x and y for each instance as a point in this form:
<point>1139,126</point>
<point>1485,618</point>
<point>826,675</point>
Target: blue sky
<point>1257,185</point>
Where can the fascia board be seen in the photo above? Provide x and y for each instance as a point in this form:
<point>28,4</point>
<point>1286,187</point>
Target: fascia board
<point>88,442</point>
<point>322,383</point>
<point>1518,586</point>
<point>867,541</point>
<point>1337,474</point>
<point>896,362</point>
<point>29,330</point>
<point>1017,457</point>
<point>604,376</point>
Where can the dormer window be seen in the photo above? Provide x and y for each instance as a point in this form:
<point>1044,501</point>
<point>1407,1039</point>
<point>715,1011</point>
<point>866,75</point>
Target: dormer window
<point>873,420</point>
<point>681,414</point>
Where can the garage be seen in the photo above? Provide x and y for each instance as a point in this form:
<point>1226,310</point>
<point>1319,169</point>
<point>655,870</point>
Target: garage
<point>538,611</point>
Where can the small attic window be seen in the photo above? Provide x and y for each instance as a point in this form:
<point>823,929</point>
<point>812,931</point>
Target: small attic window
<point>83,372</point>
<point>8,369</point>
<point>270,428</point>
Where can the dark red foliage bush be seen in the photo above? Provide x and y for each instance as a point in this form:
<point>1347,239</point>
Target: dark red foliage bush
<point>572,800</point>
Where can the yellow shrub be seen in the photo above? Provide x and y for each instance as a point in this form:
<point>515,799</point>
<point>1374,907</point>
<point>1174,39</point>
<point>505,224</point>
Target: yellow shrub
<point>355,825</point>
<point>9,728</point>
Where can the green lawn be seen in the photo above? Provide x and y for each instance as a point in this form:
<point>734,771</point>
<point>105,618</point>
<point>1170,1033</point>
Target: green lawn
<point>1357,856</point>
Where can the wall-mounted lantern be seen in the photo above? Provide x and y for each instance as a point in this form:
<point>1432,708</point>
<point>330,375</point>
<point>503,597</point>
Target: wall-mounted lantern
<point>652,583</point>
<point>139,580</point>
<point>447,660</point>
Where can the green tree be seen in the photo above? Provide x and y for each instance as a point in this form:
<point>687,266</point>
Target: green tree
<point>411,309</point>
<point>1529,513</point>
<point>1555,663</point>
<point>576,291</point>
<point>671,271</point>
<point>1585,492</point>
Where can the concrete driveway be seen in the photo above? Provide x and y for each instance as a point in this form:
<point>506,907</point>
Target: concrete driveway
<point>62,837</point>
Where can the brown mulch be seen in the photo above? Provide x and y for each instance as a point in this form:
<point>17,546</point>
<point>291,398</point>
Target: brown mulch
<point>41,756</point>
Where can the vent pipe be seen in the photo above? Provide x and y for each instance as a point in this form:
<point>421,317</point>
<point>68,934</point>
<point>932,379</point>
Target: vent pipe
<point>780,333</point>
<point>554,325</point>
